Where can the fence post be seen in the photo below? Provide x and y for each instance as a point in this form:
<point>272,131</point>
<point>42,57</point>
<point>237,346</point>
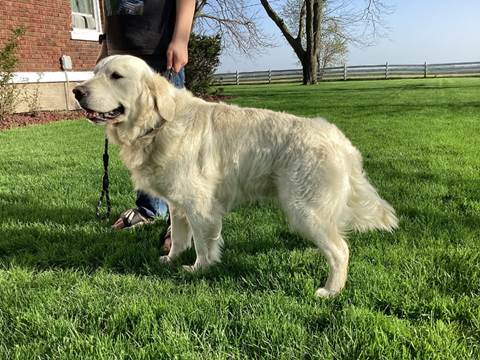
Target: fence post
<point>344,71</point>
<point>425,70</point>
<point>386,70</point>
<point>237,78</point>
<point>269,76</point>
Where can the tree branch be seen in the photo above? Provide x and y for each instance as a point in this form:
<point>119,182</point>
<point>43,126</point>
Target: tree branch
<point>235,20</point>
<point>224,20</point>
<point>199,4</point>
<point>296,44</point>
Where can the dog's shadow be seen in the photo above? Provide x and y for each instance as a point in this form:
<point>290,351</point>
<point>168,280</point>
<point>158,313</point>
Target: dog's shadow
<point>43,237</point>
<point>22,210</point>
<point>72,239</point>
<point>258,243</point>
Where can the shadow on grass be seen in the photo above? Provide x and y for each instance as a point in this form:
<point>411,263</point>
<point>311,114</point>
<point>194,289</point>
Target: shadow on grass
<point>450,206</point>
<point>380,108</point>
<point>26,212</point>
<point>72,239</point>
<point>264,264</point>
<point>69,238</point>
<point>365,88</point>
<point>137,252</point>
<point>406,87</point>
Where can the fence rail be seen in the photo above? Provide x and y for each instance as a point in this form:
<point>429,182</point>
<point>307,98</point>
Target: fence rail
<point>357,72</point>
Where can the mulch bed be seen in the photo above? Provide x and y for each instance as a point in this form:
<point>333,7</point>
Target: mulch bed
<point>216,98</point>
<point>44,117</point>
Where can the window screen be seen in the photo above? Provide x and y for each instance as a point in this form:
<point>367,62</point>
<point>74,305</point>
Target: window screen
<point>83,14</point>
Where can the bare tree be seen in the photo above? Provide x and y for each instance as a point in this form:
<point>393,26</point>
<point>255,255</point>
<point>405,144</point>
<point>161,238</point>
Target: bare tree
<point>333,46</point>
<point>317,29</point>
<point>235,20</point>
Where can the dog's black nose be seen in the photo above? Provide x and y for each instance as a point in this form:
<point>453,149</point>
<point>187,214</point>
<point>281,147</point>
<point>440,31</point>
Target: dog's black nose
<point>80,92</point>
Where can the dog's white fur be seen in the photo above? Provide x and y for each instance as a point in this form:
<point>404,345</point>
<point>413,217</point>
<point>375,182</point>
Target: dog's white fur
<point>206,158</point>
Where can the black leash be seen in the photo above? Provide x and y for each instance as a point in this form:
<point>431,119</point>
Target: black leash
<point>169,75</point>
<point>105,185</point>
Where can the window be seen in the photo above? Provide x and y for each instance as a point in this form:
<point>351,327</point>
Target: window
<point>85,20</point>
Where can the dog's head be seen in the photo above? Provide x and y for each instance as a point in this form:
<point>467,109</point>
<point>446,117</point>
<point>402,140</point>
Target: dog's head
<point>126,93</point>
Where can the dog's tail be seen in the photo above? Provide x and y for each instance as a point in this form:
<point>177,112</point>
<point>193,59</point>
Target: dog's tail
<point>369,210</point>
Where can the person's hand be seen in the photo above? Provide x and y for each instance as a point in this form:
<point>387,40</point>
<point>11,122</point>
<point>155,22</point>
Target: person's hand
<point>177,55</point>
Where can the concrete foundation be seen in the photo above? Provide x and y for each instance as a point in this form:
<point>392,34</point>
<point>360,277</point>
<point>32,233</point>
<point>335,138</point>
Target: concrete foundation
<point>46,96</point>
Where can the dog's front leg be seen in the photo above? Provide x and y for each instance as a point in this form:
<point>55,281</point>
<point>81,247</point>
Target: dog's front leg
<point>181,234</point>
<point>208,240</point>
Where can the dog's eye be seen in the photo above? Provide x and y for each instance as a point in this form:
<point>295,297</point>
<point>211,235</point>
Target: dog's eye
<point>116,76</point>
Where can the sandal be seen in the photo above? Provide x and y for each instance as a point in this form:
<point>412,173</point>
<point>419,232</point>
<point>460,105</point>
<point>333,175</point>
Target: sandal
<point>167,240</point>
<point>131,218</point>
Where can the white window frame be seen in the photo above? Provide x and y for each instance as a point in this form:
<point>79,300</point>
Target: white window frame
<point>89,34</point>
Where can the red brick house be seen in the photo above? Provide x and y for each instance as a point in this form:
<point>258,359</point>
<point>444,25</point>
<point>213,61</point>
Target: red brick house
<point>53,28</point>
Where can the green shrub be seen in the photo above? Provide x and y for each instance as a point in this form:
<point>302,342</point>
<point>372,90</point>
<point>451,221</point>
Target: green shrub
<point>8,64</point>
<point>204,52</point>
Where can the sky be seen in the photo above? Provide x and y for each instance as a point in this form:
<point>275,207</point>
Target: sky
<point>418,30</point>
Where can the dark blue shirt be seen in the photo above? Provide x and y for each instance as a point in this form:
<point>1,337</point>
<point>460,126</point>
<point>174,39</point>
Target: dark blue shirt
<point>139,27</point>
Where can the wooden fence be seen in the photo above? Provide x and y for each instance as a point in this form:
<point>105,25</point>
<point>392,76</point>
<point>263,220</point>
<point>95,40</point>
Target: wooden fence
<point>383,71</point>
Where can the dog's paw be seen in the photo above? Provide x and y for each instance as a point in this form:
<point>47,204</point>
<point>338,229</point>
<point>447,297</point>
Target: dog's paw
<point>165,259</point>
<point>199,265</point>
<point>189,268</point>
<point>195,267</point>
<point>324,293</point>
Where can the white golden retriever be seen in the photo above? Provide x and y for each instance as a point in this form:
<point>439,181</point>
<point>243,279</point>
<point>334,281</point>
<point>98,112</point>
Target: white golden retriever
<point>206,158</point>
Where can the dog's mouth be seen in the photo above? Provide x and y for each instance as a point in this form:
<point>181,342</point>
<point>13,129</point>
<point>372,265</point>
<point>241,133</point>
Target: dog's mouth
<point>99,117</point>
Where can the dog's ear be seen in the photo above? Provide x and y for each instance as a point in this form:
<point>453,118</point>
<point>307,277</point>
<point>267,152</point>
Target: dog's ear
<point>162,92</point>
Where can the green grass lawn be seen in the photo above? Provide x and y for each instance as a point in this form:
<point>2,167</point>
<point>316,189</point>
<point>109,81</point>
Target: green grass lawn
<point>70,288</point>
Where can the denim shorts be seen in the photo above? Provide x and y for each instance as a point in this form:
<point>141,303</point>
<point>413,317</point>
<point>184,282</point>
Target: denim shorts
<point>158,63</point>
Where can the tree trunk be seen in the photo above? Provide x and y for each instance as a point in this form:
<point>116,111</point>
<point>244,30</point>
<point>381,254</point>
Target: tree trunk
<point>308,71</point>
<point>318,8</point>
<point>312,68</point>
<point>312,31</point>
<point>308,57</point>
<point>308,75</point>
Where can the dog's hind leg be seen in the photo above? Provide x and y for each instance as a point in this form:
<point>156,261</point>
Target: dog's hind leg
<point>181,235</point>
<point>314,197</point>
<point>330,242</point>
<point>335,249</point>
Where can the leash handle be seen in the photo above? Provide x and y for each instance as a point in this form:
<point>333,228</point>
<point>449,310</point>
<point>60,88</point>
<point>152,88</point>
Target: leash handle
<point>105,194</point>
<point>170,74</point>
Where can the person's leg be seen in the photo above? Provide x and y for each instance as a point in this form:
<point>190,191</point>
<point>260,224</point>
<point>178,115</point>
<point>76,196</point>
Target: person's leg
<point>151,206</point>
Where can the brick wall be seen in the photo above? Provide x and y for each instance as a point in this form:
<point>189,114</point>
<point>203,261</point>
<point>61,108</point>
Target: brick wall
<point>48,25</point>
